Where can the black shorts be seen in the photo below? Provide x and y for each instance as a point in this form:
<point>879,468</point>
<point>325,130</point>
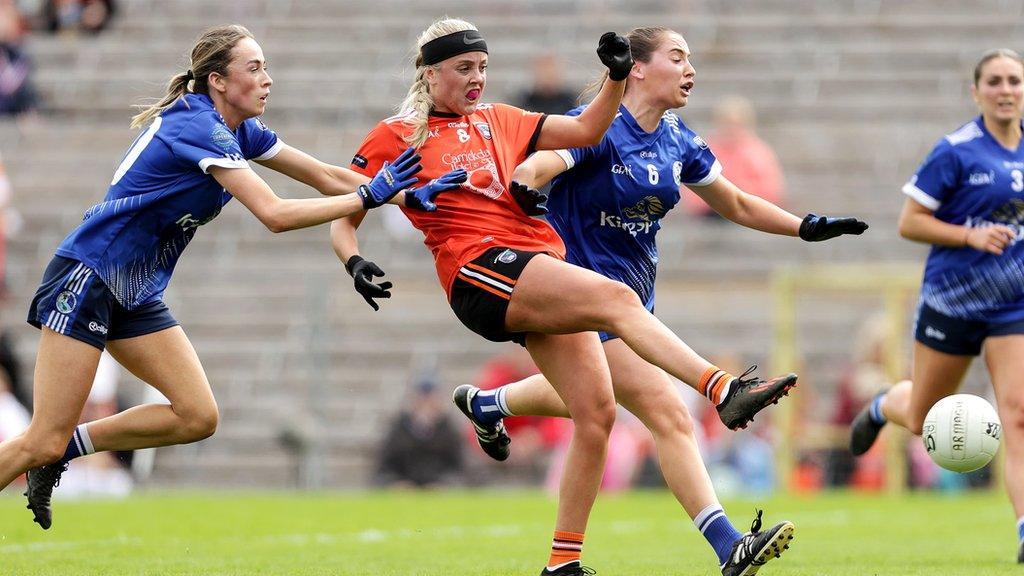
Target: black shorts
<point>483,288</point>
<point>73,301</point>
<point>955,335</point>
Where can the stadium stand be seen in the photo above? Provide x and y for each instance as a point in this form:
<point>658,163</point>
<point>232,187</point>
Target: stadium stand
<point>850,94</point>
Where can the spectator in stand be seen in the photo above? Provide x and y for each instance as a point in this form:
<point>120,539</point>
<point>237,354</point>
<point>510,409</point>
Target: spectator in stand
<point>70,16</point>
<point>422,447</point>
<point>747,161</point>
<point>549,93</point>
<point>17,95</point>
<point>861,381</point>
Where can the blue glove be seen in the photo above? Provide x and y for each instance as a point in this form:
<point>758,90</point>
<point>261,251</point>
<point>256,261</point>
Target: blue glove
<point>422,198</point>
<point>816,228</point>
<point>390,180</point>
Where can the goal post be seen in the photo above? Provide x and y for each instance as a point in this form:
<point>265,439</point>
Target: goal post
<point>896,286</point>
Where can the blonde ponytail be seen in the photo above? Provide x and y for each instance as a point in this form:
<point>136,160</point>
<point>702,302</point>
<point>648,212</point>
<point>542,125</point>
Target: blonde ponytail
<point>417,105</point>
<point>176,88</point>
<point>211,53</point>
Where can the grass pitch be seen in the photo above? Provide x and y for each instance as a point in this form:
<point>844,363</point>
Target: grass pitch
<point>493,533</point>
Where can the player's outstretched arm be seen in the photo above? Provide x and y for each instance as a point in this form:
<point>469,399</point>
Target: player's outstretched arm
<point>539,169</point>
<point>326,178</point>
<point>332,180</point>
<point>757,213</point>
<point>919,224</point>
<point>589,127</point>
<point>279,214</point>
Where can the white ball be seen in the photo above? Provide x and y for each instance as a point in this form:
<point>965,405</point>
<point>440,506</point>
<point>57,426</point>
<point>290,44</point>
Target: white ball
<point>961,432</point>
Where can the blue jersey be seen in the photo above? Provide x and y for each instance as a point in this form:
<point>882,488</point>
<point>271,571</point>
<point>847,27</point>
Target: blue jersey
<point>608,205</point>
<point>160,194</point>
<point>970,179</point>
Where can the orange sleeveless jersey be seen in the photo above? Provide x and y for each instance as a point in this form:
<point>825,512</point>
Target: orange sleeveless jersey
<point>480,214</point>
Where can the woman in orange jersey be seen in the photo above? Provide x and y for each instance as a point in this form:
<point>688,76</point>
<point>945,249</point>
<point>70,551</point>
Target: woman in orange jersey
<point>504,272</point>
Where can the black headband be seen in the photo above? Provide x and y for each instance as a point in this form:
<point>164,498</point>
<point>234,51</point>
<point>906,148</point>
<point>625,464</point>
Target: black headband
<point>443,48</point>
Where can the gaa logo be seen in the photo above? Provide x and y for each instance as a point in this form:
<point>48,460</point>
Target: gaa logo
<point>222,137</point>
<point>485,129</point>
<point>66,302</point>
<point>507,257</point>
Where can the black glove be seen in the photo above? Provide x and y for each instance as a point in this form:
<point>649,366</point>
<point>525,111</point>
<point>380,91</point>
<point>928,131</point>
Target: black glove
<point>613,50</point>
<point>532,201</point>
<point>816,228</point>
<point>363,272</point>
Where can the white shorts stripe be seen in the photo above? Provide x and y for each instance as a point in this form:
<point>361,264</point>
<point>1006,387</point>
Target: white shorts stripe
<point>74,275</point>
<point>81,281</point>
<point>49,318</point>
<point>78,442</point>
<point>64,323</point>
<point>487,280</point>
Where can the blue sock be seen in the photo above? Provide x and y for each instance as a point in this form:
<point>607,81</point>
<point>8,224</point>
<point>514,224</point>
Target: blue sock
<point>719,532</point>
<point>79,445</point>
<point>489,406</point>
<point>876,409</point>
<point>1020,528</point>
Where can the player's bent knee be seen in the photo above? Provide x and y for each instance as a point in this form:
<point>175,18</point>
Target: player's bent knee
<point>679,421</point>
<point>618,302</point>
<point>1011,412</point>
<point>668,417</point>
<point>600,419</point>
<point>47,451</point>
<point>915,423</point>
<point>201,424</point>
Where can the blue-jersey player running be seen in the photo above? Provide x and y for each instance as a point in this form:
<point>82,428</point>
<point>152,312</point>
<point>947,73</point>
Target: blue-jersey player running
<point>967,201</point>
<point>104,287</point>
<point>607,202</point>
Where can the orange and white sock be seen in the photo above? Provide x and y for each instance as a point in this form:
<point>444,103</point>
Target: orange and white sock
<point>714,384</point>
<point>566,547</point>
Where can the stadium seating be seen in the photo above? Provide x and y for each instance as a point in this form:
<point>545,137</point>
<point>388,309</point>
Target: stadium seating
<point>851,95</point>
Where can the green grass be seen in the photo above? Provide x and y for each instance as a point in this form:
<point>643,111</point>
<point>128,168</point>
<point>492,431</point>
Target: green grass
<point>492,533</point>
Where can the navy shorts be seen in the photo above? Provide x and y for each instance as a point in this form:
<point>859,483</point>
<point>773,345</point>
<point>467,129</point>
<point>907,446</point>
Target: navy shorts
<point>483,288</point>
<point>73,301</point>
<point>955,335</point>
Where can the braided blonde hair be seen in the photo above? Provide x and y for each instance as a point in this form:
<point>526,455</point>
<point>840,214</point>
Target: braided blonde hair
<point>418,102</point>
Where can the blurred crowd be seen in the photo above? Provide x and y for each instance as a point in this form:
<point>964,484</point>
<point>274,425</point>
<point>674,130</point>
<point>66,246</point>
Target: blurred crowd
<point>429,444</point>
<point>19,18</point>
<point>426,442</point>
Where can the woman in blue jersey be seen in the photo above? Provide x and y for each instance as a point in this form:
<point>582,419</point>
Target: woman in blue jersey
<point>105,285</point>
<point>967,201</point>
<point>606,202</point>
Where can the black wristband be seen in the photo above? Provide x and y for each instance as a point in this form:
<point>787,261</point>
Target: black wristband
<point>351,264</point>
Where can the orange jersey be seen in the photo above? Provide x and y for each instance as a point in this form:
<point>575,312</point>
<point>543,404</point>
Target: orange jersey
<point>481,214</point>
